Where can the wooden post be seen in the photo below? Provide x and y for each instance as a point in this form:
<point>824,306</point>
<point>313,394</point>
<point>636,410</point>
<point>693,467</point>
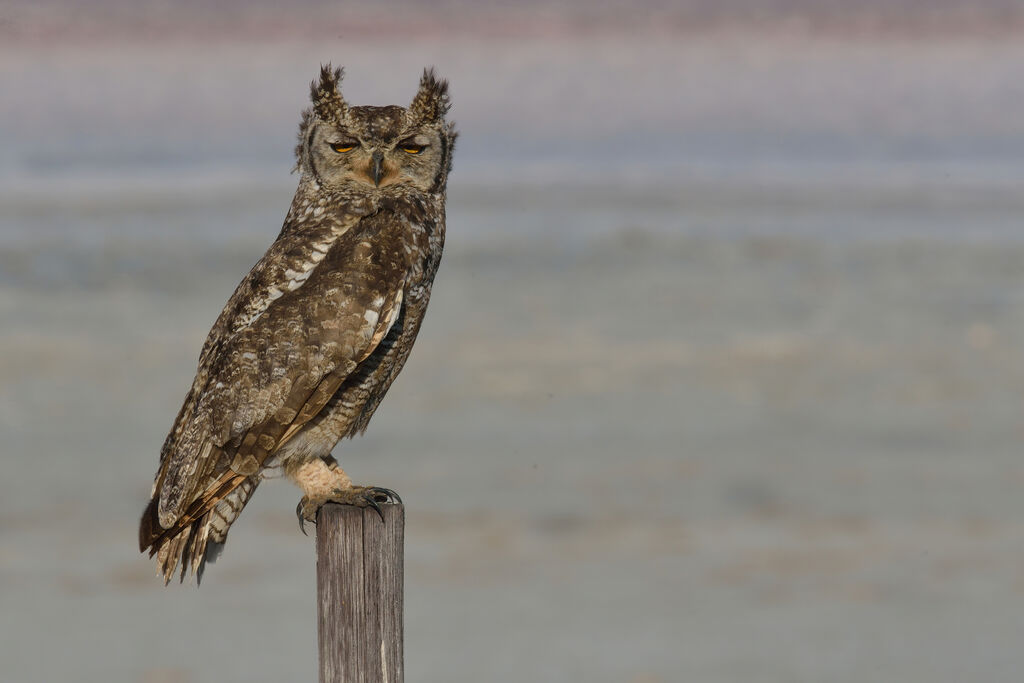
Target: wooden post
<point>359,574</point>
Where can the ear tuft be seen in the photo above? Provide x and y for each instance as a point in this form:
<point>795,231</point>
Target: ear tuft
<point>328,104</point>
<point>431,102</point>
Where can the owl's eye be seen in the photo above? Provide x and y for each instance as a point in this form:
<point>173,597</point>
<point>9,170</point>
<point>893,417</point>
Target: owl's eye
<point>344,146</point>
<point>410,146</point>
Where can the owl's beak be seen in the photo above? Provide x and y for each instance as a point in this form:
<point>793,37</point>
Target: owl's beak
<point>378,171</point>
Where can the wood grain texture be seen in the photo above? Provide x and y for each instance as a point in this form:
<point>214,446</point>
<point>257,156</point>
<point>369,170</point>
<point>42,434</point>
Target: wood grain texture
<point>359,571</point>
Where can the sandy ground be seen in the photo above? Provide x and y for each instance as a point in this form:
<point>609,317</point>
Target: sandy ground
<point>639,457</point>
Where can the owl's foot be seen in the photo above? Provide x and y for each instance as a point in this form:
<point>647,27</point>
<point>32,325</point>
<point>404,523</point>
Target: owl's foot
<point>359,496</point>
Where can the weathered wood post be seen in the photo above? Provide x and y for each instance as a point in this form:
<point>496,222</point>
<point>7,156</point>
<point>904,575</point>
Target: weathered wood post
<point>359,576</point>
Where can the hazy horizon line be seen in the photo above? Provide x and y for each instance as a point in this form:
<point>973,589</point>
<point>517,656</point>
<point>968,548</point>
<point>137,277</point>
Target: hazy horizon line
<point>67,22</point>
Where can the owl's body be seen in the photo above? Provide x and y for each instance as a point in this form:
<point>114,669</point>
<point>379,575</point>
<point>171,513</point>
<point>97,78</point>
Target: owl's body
<point>313,337</point>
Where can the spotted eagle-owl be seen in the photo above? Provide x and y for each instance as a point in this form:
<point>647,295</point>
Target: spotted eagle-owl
<point>315,334</point>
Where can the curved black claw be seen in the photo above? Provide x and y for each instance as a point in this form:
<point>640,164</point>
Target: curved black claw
<point>302,520</point>
<point>383,495</point>
<point>371,496</point>
<point>376,494</point>
<point>372,502</point>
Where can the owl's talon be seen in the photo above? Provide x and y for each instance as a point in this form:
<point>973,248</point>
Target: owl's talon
<point>302,521</point>
<point>307,510</point>
<point>393,495</point>
<point>369,496</point>
<point>383,495</point>
<point>376,506</point>
<point>358,496</point>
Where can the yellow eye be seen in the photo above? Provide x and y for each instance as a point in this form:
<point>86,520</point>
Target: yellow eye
<point>412,149</point>
<point>343,146</point>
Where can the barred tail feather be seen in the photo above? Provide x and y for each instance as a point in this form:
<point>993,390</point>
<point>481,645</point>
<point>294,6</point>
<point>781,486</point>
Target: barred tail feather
<point>197,538</point>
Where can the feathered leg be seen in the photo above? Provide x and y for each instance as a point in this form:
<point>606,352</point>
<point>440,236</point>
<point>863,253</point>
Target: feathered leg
<point>323,481</point>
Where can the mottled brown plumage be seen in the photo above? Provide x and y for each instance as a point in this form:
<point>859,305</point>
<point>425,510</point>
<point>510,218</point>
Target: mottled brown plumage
<point>315,334</point>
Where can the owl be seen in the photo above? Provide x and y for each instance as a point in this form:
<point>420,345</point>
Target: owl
<point>315,334</point>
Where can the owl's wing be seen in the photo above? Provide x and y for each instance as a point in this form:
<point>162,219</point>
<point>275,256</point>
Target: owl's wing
<point>268,378</point>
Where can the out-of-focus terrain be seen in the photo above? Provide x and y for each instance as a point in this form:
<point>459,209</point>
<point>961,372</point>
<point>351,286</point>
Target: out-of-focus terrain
<point>721,379</point>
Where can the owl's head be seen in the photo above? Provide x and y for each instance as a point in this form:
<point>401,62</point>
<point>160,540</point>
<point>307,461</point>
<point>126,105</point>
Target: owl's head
<point>376,149</point>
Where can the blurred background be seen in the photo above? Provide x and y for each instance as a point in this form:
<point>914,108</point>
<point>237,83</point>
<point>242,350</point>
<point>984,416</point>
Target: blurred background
<point>721,380</point>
